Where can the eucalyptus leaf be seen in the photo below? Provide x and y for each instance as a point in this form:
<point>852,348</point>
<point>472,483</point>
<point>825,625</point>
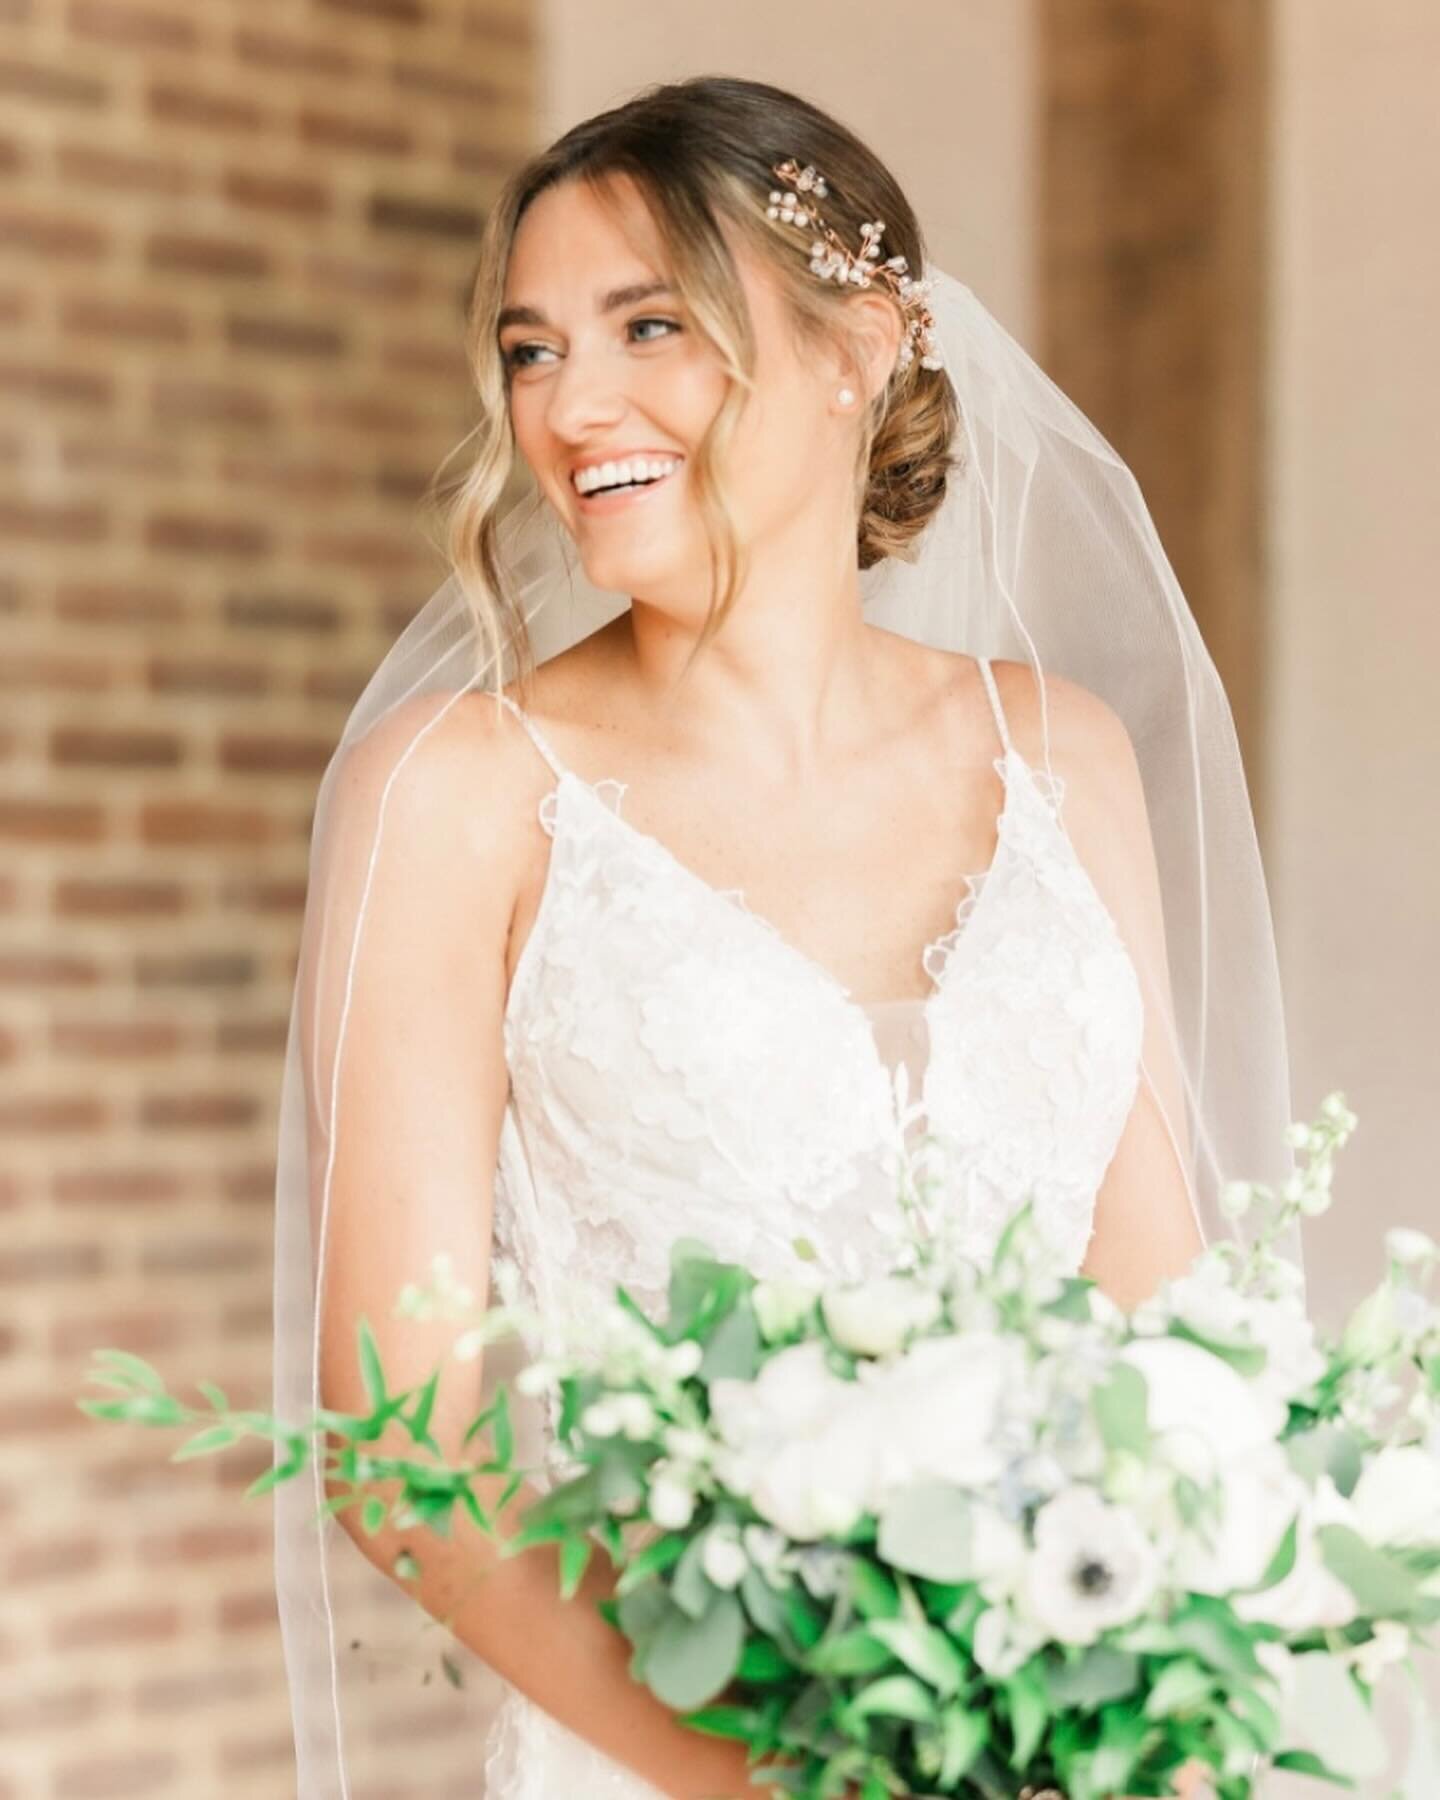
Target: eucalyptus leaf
<point>1119,1404</point>
<point>692,1660</point>
<point>1328,1715</point>
<point>734,1347</point>
<point>1100,1674</point>
<point>1383,1587</point>
<point>925,1529</point>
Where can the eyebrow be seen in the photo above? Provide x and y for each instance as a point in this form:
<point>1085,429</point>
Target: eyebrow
<point>611,302</point>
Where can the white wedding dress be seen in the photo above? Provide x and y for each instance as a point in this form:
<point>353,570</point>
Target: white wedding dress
<point>679,1068</point>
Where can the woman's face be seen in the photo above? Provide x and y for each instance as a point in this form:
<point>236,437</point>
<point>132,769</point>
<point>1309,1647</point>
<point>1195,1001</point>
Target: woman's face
<point>602,371</point>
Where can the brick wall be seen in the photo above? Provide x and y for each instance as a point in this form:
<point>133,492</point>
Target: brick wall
<point>233,239</point>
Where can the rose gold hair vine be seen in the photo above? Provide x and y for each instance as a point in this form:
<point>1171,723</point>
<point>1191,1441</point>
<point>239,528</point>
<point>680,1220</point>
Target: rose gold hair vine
<point>831,261</point>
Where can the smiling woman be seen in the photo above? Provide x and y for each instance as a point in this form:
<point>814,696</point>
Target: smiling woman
<point>870,632</point>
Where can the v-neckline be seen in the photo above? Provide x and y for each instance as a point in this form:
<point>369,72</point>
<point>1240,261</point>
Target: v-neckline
<point>974,890</point>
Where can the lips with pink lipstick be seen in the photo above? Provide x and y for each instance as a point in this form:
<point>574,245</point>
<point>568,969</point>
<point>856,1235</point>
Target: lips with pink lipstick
<point>602,486</point>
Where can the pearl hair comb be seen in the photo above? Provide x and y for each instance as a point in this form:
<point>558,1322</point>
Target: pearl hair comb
<point>832,261</point>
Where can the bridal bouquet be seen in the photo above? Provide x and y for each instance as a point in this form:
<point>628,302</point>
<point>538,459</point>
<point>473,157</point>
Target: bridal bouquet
<point>970,1529</point>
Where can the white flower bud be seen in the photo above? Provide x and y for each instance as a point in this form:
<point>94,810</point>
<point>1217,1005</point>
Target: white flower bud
<point>684,1358</point>
<point>723,1557</point>
<point>671,1502</point>
<point>1408,1246</point>
<point>601,1418</point>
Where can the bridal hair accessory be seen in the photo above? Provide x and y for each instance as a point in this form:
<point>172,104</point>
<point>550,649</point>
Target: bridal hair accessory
<point>832,261</point>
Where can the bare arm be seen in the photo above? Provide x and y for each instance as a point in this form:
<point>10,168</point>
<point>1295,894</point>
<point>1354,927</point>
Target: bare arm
<point>421,1095</point>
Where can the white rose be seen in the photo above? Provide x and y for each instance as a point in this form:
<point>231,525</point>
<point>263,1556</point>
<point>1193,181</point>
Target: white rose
<point>874,1318</point>
<point>1309,1598</point>
<point>1259,1495</point>
<point>937,1409</point>
<point>1092,1567</point>
<point>1206,1411</point>
<point>792,1396</point>
<point>1397,1498</point>
<point>819,1485</point>
<point>799,1441</point>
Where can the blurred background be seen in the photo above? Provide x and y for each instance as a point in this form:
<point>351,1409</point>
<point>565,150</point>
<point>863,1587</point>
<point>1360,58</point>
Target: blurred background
<point>235,237</point>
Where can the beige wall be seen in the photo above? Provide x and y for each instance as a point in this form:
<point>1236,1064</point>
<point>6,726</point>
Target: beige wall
<point>1354,745</point>
<point>948,105</point>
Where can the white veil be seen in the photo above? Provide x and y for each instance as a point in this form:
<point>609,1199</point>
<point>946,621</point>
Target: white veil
<point>1043,551</point>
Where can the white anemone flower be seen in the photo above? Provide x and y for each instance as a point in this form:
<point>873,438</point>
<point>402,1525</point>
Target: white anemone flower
<point>1092,1567</point>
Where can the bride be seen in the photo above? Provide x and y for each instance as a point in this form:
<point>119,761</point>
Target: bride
<point>866,779</point>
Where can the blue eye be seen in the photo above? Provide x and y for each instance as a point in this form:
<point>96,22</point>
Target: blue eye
<point>514,358</point>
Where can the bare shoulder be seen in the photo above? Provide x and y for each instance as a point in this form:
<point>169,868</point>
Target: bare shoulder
<point>1085,732</point>
<point>453,774</point>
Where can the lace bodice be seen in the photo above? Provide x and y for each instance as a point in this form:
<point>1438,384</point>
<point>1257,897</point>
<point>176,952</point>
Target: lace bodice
<point>677,1068</point>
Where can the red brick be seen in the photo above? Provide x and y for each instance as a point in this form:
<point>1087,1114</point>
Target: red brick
<point>50,84</point>
<point>37,1711</point>
<point>198,1112</point>
<point>141,1622</point>
<point>118,1187</point>
<point>133,748</point>
<point>51,521</point>
<point>132,27</point>
<point>141,1331</point>
<point>117,899</point>
<point>192,535</point>
<point>201,824</point>
<point>185,103</point>
<point>301,56</point>
<point>176,1255</point>
<point>116,1776</point>
<point>38,670</point>
<point>187,252</point>
<point>243,1612</point>
<point>24,1263</point>
<point>119,321</point>
<point>47,968</point>
<point>271,753</point>
<point>38,819</point>
<point>204,1544</point>
<point>215,676</point>
<point>117,603</point>
<point>123,1038</point>
<point>218,1687</point>
<point>38,1560</point>
<point>120,171</point>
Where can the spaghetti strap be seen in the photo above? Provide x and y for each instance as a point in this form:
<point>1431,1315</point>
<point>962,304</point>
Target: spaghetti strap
<point>536,736</point>
<point>995,705</point>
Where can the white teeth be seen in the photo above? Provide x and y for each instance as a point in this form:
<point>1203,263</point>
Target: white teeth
<point>635,468</point>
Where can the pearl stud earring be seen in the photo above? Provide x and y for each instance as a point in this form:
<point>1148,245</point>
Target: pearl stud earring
<point>846,397</point>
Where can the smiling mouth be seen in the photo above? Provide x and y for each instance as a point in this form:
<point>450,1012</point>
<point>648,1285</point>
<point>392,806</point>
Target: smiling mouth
<point>606,498</point>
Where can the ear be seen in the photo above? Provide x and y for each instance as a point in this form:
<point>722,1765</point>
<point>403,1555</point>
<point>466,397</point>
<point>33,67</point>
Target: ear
<point>876,330</point>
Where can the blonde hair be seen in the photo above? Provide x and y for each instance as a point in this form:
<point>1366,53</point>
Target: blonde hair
<point>699,151</point>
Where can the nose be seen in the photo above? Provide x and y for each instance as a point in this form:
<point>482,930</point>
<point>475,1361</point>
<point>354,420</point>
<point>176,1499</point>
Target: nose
<point>583,396</point>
